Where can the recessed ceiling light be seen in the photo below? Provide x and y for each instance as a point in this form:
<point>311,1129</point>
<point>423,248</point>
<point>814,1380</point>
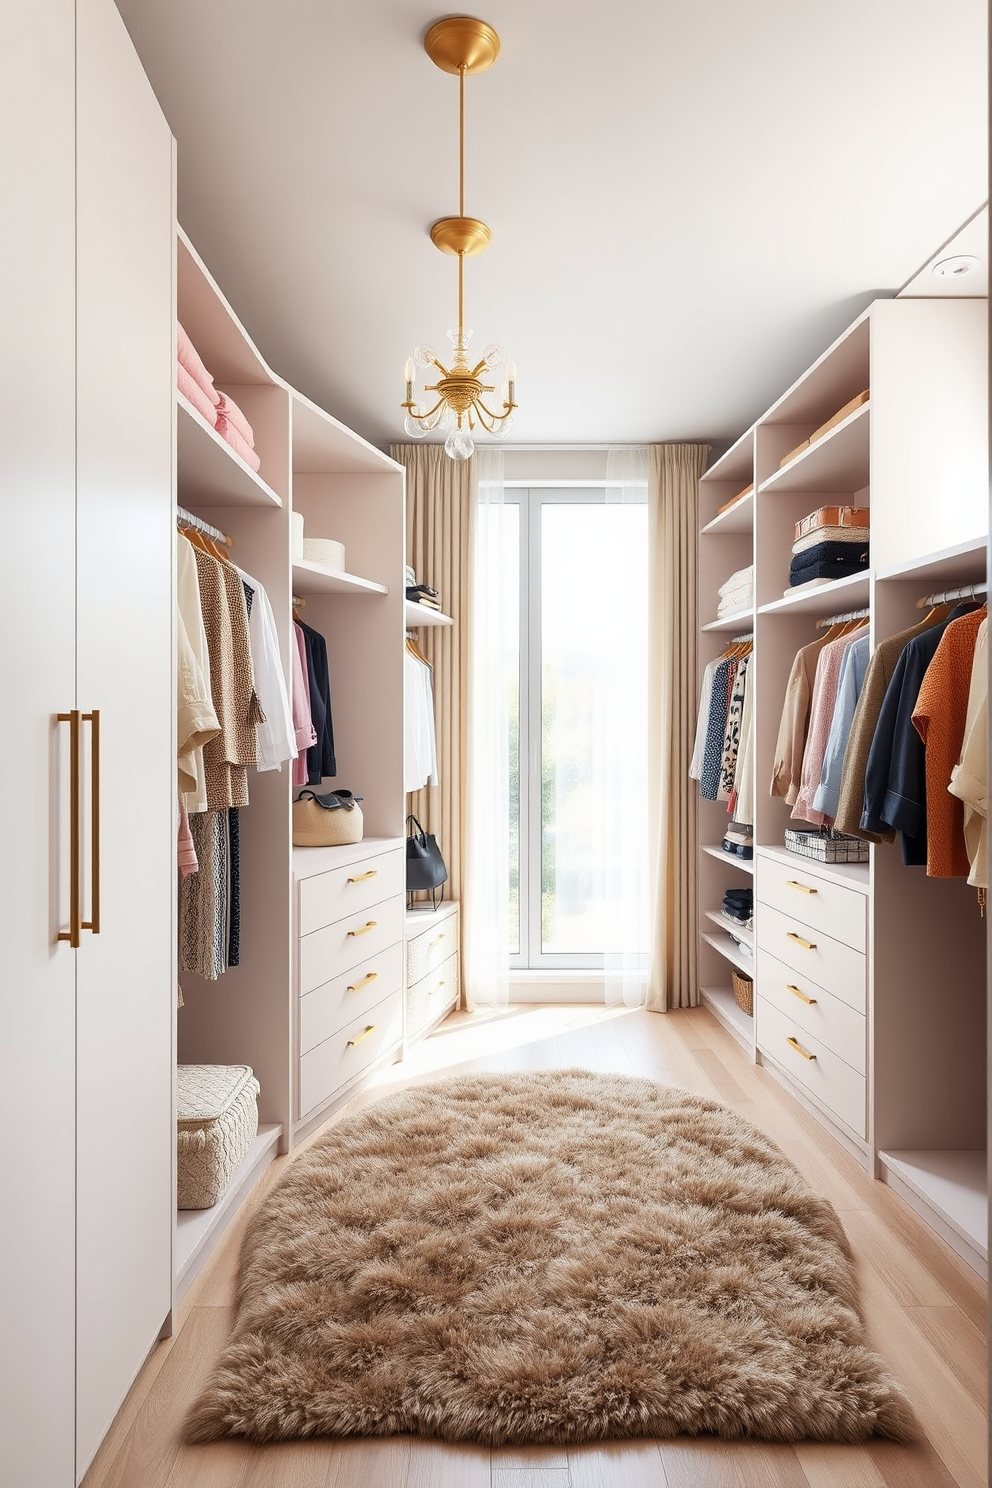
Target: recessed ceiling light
<point>957,267</point>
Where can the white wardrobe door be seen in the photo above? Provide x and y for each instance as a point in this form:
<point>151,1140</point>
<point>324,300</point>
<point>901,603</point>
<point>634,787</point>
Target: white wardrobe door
<point>125,1134</point>
<point>37,603</point>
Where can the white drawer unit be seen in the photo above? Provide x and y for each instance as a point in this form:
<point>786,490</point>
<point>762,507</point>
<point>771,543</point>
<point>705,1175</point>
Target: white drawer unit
<point>349,1052</point>
<point>326,953</point>
<point>434,995</point>
<point>805,949</point>
<point>839,912</point>
<point>332,896</point>
<point>812,1065</point>
<point>814,1010</point>
<point>328,1008</point>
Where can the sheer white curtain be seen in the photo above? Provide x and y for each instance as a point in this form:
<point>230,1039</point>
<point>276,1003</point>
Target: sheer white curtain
<point>486,893</point>
<point>621,728</point>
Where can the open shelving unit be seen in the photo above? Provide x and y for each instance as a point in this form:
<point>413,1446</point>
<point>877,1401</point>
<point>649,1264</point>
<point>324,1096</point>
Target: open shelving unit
<point>417,614</point>
<point>197,1230</point>
<point>313,578</point>
<point>915,453</point>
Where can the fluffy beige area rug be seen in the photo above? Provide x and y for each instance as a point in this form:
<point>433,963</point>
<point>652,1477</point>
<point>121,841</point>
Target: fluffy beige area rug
<point>547,1257</point>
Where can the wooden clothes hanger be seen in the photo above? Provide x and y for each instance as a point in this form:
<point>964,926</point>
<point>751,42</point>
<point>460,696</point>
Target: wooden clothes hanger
<point>415,651</point>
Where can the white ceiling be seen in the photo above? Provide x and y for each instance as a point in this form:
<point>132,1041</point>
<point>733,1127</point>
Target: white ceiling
<point>688,202</point>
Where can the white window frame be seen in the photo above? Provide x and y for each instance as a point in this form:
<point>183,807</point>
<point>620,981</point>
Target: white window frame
<point>531,500</point>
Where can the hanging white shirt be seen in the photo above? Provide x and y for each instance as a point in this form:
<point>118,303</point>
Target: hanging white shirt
<point>419,737</point>
<point>275,736</point>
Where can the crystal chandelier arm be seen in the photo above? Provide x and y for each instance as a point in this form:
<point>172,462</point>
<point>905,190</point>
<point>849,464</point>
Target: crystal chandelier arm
<point>497,418</point>
<point>422,416</point>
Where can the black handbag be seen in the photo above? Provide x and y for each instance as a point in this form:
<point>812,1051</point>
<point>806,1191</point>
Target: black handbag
<point>425,870</point>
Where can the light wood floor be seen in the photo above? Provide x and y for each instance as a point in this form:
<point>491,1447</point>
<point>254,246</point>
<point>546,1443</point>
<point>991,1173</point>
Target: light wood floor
<point>925,1309</point>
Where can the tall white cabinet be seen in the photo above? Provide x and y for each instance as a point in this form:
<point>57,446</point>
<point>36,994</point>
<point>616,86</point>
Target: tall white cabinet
<point>86,457</point>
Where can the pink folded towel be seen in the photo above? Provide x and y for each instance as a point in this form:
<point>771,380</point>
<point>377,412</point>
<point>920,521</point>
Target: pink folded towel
<point>228,410</point>
<point>239,445</point>
<point>195,394</point>
<point>190,359</point>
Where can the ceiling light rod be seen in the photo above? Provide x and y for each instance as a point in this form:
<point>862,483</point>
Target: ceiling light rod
<point>460,45</point>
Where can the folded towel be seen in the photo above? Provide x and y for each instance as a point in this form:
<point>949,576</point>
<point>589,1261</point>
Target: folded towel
<point>860,535</point>
<point>239,445</point>
<point>229,411</point>
<point>190,358</point>
<point>194,394</point>
<point>743,578</point>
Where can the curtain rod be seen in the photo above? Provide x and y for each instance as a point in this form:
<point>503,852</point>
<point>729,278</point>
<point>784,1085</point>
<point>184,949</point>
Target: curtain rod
<point>187,519</point>
<point>967,591</point>
<point>839,619</point>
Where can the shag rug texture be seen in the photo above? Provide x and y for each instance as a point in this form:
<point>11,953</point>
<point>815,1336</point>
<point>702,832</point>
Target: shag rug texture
<point>547,1257</point>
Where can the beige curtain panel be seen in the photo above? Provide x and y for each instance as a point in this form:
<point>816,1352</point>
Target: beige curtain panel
<point>673,507</point>
<point>439,525</point>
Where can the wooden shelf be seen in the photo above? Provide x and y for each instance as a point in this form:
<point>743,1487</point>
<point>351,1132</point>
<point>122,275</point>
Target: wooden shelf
<point>313,578</point>
<point>848,875</point>
<point>836,464</point>
<point>210,473</point>
<point>198,1230</point>
<point>949,1185</point>
<point>747,936</point>
<point>736,463</point>
<point>832,598</point>
<point>742,620</point>
<point>737,518</point>
<point>727,948</point>
<point>416,614</point>
<point>746,865</point>
<point>954,567</point>
<point>720,1002</point>
<point>323,446</point>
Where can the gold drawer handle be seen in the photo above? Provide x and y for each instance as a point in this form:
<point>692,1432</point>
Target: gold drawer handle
<point>437,941</point>
<point>372,873</point>
<point>807,945</point>
<point>371,1029</point>
<point>799,1049</point>
<point>364,982</point>
<point>793,883</point>
<point>364,930</point>
<point>809,1001</point>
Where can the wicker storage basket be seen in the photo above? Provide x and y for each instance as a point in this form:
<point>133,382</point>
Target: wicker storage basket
<point>217,1121</point>
<point>743,992</point>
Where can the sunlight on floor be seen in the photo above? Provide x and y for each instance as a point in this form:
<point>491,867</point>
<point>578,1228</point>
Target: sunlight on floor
<point>465,1037</point>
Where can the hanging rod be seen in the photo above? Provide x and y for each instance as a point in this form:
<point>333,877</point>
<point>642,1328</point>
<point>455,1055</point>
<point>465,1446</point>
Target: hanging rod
<point>967,591</point>
<point>739,640</point>
<point>839,619</point>
<point>187,519</point>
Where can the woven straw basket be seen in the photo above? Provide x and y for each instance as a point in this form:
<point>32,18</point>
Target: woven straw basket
<point>743,992</point>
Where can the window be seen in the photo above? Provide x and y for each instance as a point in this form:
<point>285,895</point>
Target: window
<point>575,571</point>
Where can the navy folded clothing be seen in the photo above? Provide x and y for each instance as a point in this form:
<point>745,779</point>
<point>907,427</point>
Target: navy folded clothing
<point>828,561</point>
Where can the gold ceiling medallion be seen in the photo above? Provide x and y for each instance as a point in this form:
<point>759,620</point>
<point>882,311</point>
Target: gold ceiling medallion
<point>460,45</point>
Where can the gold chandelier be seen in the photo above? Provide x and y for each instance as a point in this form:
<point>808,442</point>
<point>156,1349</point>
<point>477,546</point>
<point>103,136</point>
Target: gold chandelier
<point>460,45</point>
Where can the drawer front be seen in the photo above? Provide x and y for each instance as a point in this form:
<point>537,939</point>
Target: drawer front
<point>827,962</point>
<point>433,945</point>
<point>346,891</point>
<point>840,913</point>
<point>835,1084</point>
<point>349,1052</point>
<point>817,1012</point>
<point>431,996</point>
<point>326,953</point>
<point>328,1008</point>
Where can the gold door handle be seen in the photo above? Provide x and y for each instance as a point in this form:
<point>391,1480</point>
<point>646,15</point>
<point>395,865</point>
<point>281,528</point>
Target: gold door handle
<point>807,945</point>
<point>809,1001</point>
<point>371,977</point>
<point>74,933</point>
<point>793,883</point>
<point>799,1049</point>
<point>93,719</point>
<point>358,1038</point>
<point>364,929</point>
<point>361,877</point>
<point>437,941</point>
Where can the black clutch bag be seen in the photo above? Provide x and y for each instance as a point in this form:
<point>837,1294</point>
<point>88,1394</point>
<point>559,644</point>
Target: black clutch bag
<point>425,870</point>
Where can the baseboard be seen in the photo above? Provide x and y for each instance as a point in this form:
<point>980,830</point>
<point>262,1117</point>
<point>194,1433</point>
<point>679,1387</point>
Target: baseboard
<point>567,987</point>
